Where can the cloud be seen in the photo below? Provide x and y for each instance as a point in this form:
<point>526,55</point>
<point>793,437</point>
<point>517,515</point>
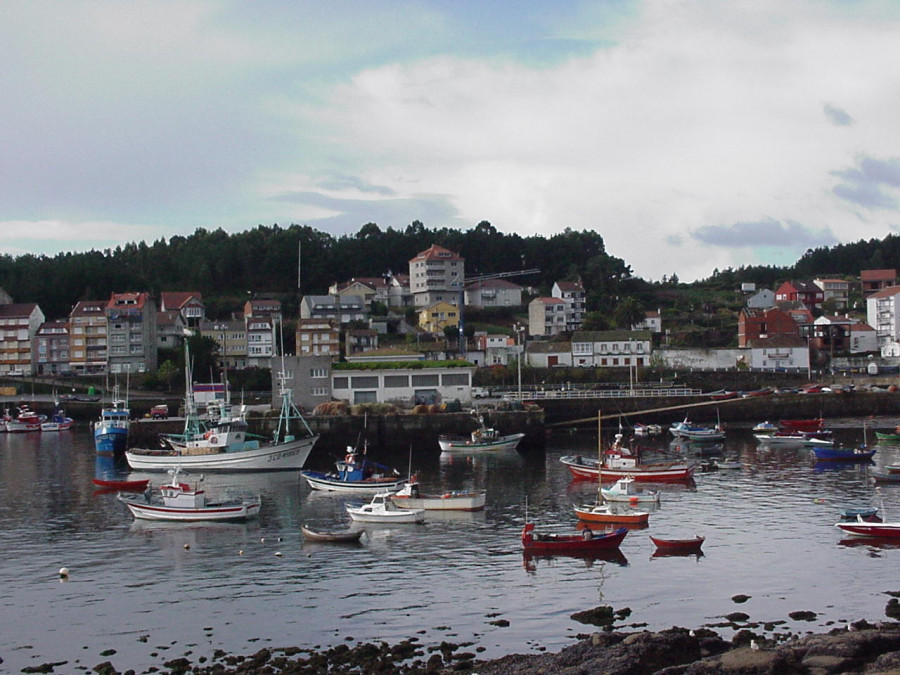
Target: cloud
<point>868,183</point>
<point>837,116</point>
<point>764,232</point>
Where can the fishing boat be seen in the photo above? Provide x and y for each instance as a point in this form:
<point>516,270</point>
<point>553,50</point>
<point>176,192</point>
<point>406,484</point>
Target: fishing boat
<point>122,485</point>
<point>111,430</point>
<point>691,545</point>
<point>583,543</point>
<point>179,501</point>
<point>806,424</point>
<point>383,510</point>
<point>410,497</point>
<point>647,429</point>
<point>884,476</point>
<point>25,421</point>
<point>57,421</point>
<point>333,536</point>
<point>839,454</point>
<point>621,462</point>
<point>697,432</point>
<point>890,437</point>
<point>481,439</point>
<point>625,490</point>
<point>856,512</point>
<point>356,473</point>
<point>229,447</point>
<point>764,428</point>
<point>870,528</point>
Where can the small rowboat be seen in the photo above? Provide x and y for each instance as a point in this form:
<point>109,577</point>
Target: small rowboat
<point>122,485</point>
<point>889,438</point>
<point>341,536</point>
<point>678,545</point>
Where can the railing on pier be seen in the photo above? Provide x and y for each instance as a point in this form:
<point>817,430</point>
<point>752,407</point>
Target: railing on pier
<point>637,392</point>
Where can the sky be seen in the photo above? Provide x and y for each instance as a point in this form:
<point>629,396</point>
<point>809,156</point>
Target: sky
<point>692,135</point>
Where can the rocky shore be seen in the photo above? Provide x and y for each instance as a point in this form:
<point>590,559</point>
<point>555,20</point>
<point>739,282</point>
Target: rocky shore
<point>860,647</point>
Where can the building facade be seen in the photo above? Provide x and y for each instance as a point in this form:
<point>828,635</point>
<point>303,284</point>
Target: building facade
<point>546,317</point>
<point>318,337</point>
<point>19,323</point>
<point>131,332</point>
<point>51,348</point>
<point>88,342</point>
<point>436,275</point>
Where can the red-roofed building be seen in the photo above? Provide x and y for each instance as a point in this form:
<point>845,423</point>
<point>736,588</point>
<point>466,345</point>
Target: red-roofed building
<point>131,332</point>
<point>572,293</point>
<point>801,291</point>
<point>436,275</point>
<point>188,304</point>
<point>755,324</point>
<point>875,280</point>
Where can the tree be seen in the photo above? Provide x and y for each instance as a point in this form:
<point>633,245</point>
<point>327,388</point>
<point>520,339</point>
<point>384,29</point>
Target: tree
<point>628,313</point>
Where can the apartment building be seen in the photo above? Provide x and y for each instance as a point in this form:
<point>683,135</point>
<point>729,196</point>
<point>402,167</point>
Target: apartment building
<point>131,332</point>
<point>88,341</point>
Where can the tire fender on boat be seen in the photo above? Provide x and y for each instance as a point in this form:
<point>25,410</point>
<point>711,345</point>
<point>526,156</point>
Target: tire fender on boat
<point>213,440</point>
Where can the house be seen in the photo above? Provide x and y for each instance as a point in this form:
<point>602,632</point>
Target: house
<point>548,354</point>
<point>546,317</point>
<point>399,293</point>
<point>497,349</point>
<point>399,385</point>
<point>308,376</point>
<point>652,322</point>
<point>779,352</point>
<point>863,339</point>
<point>436,275</point>
<point>883,314</point>
<point>231,336</point>
<point>318,337</point>
<point>796,310</point>
<point>876,280</point>
<point>261,345</point>
<point>611,348</point>
<point>755,324</point>
<point>131,332</point>
<point>439,316</point>
<point>51,348</point>
<point>88,342</point>
<point>368,288</point>
<point>832,333</point>
<point>359,340</point>
<point>170,329</point>
<point>493,293</point>
<point>19,323</point>
<point>263,307</point>
<point>802,291</point>
<point>837,290</point>
<point>342,309</point>
<point>764,299</point>
<point>572,293</point>
<point>188,304</point>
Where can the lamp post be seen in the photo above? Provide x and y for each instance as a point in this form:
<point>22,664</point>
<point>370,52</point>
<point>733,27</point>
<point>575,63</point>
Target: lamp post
<point>519,328</point>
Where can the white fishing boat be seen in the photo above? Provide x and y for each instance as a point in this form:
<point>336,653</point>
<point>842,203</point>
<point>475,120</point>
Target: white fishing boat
<point>483,438</point>
<point>226,444</point>
<point>180,501</point>
<point>383,510</point>
<point>410,497</point>
<point>625,490</point>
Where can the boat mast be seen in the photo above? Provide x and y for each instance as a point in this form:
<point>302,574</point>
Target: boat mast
<point>600,499</point>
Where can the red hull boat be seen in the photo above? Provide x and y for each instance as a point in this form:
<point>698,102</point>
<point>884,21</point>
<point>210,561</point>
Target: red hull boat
<point>867,528</point>
<point>583,543</point>
<point>811,424</point>
<point>692,545</point>
<point>124,485</point>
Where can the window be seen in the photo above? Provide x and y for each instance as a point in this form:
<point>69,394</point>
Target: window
<point>455,379</point>
<point>396,381</point>
<point>364,381</point>
<point>425,380</point>
<point>320,391</point>
<point>318,372</point>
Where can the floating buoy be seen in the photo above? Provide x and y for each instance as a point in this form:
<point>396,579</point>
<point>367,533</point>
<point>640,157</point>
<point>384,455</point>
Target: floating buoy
<point>278,554</point>
<point>262,540</point>
<point>63,572</point>
<point>186,547</point>
<point>241,552</point>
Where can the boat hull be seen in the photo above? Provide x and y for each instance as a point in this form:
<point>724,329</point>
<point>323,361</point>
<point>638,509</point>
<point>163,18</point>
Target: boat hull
<point>322,481</point>
<point>343,536</point>
<point>127,485</point>
<point>842,454</point>
<point>290,456</point>
<point>603,514</point>
<point>111,439</point>
<point>678,545</point>
<point>674,473</point>
<point>448,502</point>
<point>216,512</point>
<point>509,442</point>
<point>571,544</point>
<point>866,529</point>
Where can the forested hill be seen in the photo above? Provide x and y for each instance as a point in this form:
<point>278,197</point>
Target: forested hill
<point>225,268</point>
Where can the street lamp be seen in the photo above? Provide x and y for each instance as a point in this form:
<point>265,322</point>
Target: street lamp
<point>519,328</point>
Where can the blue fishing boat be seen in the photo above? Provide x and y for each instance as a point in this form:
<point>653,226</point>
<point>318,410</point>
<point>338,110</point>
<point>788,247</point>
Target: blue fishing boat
<point>837,454</point>
<point>111,430</point>
<point>356,473</point>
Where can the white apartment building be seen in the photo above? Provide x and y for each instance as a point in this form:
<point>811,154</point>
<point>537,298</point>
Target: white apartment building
<point>436,275</point>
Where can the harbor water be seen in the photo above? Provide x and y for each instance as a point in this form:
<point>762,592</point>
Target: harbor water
<point>139,594</point>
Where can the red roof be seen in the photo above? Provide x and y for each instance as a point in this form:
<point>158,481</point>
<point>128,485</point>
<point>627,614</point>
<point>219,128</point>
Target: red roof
<point>435,252</point>
<point>878,275</point>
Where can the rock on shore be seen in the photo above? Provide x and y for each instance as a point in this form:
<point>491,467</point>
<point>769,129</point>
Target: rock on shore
<point>859,648</point>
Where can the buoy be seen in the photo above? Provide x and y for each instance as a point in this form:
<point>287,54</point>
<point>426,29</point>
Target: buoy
<point>278,554</point>
<point>262,540</point>
<point>186,547</point>
<point>241,552</point>
<point>63,572</point>
<point>633,500</point>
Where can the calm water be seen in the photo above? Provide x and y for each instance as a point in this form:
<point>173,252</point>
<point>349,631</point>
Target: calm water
<point>154,592</point>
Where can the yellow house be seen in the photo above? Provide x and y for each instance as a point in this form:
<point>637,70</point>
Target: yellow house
<point>438,316</point>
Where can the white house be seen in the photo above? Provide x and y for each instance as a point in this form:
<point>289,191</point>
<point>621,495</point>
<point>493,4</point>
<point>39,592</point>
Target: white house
<point>764,299</point>
<point>548,354</point>
<point>493,293</point>
<point>652,322</point>
<point>546,317</point>
<point>404,386</point>
<point>883,314</point>
<point>779,352</point>
<point>611,348</point>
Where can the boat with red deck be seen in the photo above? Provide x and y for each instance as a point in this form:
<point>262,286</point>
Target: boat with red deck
<point>585,542</point>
